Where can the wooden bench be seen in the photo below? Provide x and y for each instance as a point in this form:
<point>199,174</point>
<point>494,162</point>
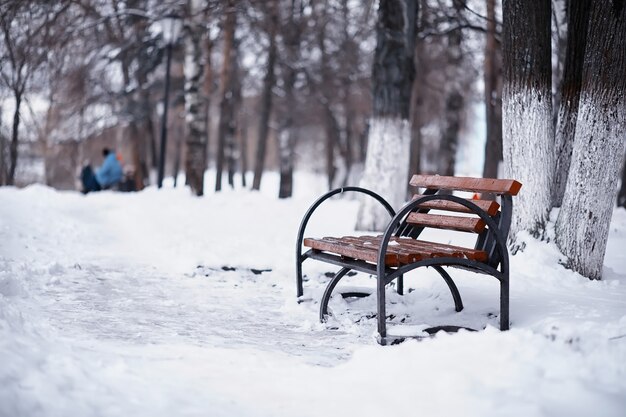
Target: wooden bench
<point>399,250</point>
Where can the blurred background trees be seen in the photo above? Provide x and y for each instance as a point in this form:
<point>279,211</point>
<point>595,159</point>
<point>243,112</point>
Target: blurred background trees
<point>278,84</point>
<point>261,85</point>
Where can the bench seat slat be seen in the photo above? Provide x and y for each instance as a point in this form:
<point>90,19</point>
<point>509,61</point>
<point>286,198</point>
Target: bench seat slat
<point>474,185</point>
<point>433,248</point>
<point>437,221</point>
<point>401,251</point>
<point>490,206</point>
<point>350,250</point>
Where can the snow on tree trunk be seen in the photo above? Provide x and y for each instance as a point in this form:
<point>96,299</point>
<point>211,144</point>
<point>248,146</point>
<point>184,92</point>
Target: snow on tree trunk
<point>196,138</point>
<point>599,143</point>
<point>528,132</point>
<point>389,141</point>
<point>578,16</point>
<point>386,169</point>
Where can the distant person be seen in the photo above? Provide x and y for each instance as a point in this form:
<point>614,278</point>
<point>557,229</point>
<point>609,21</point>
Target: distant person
<point>109,174</point>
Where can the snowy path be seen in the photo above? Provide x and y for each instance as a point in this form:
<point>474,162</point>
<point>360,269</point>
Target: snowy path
<point>117,304</point>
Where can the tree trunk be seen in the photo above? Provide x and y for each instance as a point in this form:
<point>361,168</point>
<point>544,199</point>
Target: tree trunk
<point>527,111</point>
<point>331,126</point>
<point>417,101</point>
<point>493,96</point>
<point>454,101</point>
<point>232,154</point>
<point>287,136</point>
<point>196,138</point>
<point>582,227</point>
<point>266,97</point>
<point>226,123</point>
<point>387,160</point>
<point>243,153</point>
<point>3,161</point>
<point>14,139</point>
<point>578,17</point>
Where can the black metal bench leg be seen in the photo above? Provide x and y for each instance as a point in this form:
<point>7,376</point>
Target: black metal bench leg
<point>299,286</point>
<point>504,303</point>
<point>329,291</point>
<point>458,303</point>
<point>381,311</point>
<point>400,288</point>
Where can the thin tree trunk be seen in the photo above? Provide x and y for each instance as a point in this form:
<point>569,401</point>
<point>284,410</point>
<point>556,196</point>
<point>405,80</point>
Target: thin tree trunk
<point>387,161</point>
<point>527,111</point>
<point>287,136</point>
<point>578,17</point>
<point>13,150</point>
<point>454,101</point>
<point>232,154</point>
<point>266,97</point>
<point>582,227</point>
<point>207,89</point>
<point>493,96</point>
<point>3,164</point>
<point>196,138</point>
<point>243,154</point>
<point>331,126</point>
<point>417,100</point>
<point>226,114</point>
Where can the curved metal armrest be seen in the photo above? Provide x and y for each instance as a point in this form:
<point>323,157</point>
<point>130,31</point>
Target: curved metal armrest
<point>412,205</point>
<point>319,201</point>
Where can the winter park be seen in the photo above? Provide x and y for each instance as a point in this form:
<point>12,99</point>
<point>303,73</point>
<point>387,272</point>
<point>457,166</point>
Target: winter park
<point>312,208</point>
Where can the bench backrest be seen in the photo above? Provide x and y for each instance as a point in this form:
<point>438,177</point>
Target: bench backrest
<point>501,212</point>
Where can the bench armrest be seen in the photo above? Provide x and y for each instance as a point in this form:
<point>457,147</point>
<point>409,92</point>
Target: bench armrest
<point>305,221</point>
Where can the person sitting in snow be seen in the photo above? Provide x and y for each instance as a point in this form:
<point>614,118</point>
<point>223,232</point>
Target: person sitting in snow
<point>109,174</point>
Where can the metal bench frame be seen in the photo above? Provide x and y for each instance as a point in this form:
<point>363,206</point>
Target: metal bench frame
<point>492,240</point>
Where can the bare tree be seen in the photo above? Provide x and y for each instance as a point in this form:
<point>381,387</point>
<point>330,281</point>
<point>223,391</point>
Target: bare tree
<point>582,227</point>
<point>27,31</point>
<point>387,163</point>
<point>527,110</point>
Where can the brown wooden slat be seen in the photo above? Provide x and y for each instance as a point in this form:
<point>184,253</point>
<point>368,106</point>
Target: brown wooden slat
<point>405,254</point>
<point>334,245</point>
<point>460,224</point>
<point>490,206</point>
<point>405,251</point>
<point>448,250</point>
<point>475,185</point>
<point>433,249</point>
<point>424,251</point>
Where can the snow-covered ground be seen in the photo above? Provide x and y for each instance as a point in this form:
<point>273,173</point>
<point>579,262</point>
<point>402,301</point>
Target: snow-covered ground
<point>161,304</point>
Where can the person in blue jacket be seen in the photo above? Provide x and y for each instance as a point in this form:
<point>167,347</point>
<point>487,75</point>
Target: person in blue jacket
<point>109,174</point>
